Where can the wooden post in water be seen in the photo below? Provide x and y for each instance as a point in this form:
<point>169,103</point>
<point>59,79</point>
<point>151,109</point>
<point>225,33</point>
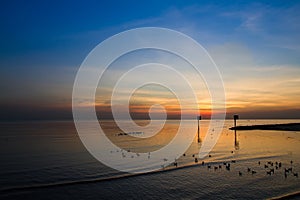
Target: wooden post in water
<point>235,117</point>
<point>199,118</point>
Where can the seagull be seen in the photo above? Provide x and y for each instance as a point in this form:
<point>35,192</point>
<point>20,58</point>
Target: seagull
<point>286,170</point>
<point>228,167</point>
<point>266,166</point>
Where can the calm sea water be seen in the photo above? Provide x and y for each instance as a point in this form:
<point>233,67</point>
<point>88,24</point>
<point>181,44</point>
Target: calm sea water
<point>46,160</point>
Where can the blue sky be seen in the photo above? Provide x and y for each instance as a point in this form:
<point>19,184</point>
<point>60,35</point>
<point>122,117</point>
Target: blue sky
<point>44,42</point>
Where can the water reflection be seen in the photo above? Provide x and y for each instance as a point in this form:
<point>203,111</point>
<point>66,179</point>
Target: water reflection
<point>236,142</point>
<point>199,139</point>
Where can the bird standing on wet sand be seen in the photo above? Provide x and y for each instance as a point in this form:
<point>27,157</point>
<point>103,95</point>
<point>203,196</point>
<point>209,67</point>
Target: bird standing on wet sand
<point>175,164</point>
<point>266,166</point>
<point>228,166</point>
<point>286,170</point>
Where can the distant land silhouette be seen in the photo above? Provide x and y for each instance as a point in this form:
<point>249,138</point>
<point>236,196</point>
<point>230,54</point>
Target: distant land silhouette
<point>280,127</point>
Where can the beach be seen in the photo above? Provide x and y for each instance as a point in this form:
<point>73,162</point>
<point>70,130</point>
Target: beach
<point>47,159</point>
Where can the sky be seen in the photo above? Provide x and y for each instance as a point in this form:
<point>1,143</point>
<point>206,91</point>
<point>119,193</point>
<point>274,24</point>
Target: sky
<point>255,44</point>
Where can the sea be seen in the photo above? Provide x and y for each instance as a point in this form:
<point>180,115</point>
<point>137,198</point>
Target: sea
<point>48,160</point>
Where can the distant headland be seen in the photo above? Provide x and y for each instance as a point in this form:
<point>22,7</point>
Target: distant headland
<point>279,127</point>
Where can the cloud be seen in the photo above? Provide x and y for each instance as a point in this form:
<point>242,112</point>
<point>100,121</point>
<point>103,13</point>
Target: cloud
<point>276,26</point>
<point>249,85</point>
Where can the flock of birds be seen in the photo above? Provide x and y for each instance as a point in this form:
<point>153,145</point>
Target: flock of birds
<point>270,167</point>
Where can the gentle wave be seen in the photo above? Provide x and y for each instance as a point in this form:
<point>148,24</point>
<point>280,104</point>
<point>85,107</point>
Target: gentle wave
<point>287,196</point>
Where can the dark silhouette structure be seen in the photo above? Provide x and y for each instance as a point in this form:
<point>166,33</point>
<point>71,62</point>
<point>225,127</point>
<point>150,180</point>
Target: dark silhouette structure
<point>235,117</point>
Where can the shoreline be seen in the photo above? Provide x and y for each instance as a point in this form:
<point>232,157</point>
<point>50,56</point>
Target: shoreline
<point>277,127</point>
<point>287,196</point>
